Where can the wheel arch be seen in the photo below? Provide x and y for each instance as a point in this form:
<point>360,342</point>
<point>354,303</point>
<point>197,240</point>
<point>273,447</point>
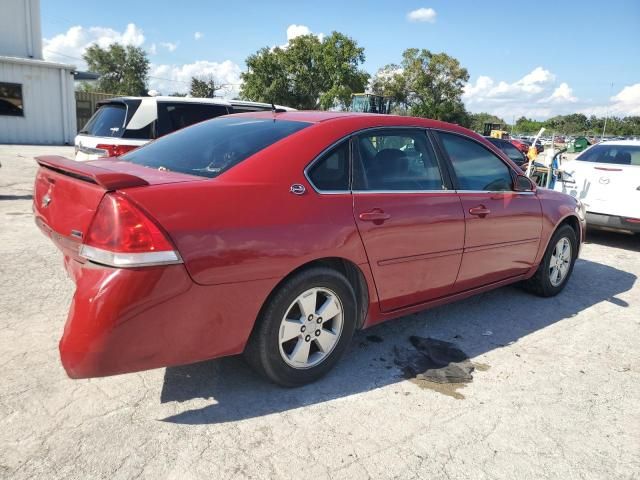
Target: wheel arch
<point>349,269</point>
<point>574,223</point>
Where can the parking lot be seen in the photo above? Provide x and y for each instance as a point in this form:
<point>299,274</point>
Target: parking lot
<point>555,392</point>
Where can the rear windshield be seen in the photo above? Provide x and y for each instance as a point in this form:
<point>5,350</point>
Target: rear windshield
<point>210,148</point>
<point>108,121</point>
<point>616,154</point>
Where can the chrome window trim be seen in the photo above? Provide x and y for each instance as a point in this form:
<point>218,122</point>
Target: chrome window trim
<point>361,192</point>
<point>494,192</point>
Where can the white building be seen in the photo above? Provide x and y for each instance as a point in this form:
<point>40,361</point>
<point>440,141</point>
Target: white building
<point>37,102</point>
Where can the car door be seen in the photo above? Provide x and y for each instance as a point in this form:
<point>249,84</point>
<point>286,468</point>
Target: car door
<point>503,226</point>
<point>410,221</point>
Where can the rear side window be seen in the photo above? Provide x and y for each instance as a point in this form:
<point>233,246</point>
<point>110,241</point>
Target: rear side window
<point>615,154</point>
<point>391,160</point>
<point>211,148</point>
<point>108,121</point>
<point>174,116</point>
<point>476,168</point>
<point>331,172</point>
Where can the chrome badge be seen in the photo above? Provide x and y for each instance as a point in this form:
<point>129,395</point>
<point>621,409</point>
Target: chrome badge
<point>297,189</point>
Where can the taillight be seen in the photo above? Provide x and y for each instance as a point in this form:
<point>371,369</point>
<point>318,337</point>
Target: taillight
<point>115,150</point>
<point>121,235</point>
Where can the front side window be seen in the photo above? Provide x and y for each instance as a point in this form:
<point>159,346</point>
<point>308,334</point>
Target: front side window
<point>331,171</point>
<point>174,116</point>
<point>476,167</point>
<point>396,161</point>
<point>615,154</point>
<point>211,148</point>
<point>11,99</point>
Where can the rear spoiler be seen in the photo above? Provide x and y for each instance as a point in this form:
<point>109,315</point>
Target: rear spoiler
<point>89,173</point>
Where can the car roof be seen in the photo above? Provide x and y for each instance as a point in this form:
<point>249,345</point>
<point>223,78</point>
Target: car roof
<point>621,142</point>
<point>315,116</point>
<point>165,98</point>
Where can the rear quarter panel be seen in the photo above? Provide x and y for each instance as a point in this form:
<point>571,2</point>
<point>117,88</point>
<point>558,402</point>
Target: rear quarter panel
<point>246,225</point>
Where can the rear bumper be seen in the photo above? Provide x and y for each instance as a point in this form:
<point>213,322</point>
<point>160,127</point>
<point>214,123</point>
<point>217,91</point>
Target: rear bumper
<point>612,222</point>
<point>127,320</point>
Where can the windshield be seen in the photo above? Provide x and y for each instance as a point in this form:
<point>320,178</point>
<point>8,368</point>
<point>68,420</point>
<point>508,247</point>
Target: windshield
<point>210,148</point>
<point>615,154</point>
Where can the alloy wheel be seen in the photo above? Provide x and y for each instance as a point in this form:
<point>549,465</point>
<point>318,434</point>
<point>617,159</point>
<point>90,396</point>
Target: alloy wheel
<point>311,328</point>
<point>560,261</point>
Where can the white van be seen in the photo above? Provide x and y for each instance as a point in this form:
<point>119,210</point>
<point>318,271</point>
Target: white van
<point>124,123</point>
<point>606,178</point>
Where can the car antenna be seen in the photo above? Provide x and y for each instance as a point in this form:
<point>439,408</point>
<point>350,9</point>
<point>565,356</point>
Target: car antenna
<point>273,110</point>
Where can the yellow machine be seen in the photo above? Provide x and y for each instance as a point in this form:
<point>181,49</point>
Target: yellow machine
<point>494,130</point>
<point>499,134</point>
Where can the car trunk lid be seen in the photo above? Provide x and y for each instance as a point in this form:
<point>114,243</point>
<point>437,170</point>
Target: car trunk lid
<point>67,193</point>
<point>607,188</point>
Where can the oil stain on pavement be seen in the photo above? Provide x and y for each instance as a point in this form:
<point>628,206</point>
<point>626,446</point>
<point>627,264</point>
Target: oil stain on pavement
<point>436,365</point>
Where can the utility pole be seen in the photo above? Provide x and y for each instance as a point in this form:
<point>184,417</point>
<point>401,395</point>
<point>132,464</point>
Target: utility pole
<point>606,117</point>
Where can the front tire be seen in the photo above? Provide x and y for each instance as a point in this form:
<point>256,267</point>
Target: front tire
<point>304,328</point>
<point>556,265</point>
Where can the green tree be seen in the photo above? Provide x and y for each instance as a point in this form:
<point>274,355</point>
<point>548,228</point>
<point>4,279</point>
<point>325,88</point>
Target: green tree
<point>123,70</point>
<point>426,84</point>
<point>389,81</point>
<point>308,73</point>
<point>204,87</point>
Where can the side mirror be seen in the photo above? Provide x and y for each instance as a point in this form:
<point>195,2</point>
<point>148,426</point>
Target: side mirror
<point>524,184</point>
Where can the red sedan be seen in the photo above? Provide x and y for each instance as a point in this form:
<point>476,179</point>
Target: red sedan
<point>278,235</point>
<point>520,145</point>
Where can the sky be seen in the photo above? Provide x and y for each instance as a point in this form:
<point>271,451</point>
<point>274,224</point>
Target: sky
<point>536,59</point>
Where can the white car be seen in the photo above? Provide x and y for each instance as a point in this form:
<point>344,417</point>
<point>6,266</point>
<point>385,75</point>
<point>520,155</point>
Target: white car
<point>606,178</point>
<point>125,123</point>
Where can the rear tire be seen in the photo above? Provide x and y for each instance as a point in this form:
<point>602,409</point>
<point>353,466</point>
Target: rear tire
<point>556,265</point>
<point>292,344</point>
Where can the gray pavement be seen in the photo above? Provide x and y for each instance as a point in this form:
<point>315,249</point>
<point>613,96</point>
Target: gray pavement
<point>556,394</point>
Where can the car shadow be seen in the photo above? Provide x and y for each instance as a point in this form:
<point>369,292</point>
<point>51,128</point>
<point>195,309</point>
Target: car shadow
<point>614,239</point>
<point>477,325</point>
<point>16,197</point>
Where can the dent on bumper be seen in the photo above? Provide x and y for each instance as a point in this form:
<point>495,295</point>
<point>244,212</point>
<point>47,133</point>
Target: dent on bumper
<point>126,320</point>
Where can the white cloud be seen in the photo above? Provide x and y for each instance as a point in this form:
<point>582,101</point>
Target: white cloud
<point>169,46</point>
<point>198,35</point>
<point>153,49</point>
<point>625,103</point>
<point>422,15</point>
<point>294,31</point>
<point>68,47</point>
<point>562,94</point>
<point>175,78</point>
<point>534,95</point>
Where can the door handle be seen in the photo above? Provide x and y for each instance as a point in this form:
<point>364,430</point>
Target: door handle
<point>481,211</point>
<point>376,216</point>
